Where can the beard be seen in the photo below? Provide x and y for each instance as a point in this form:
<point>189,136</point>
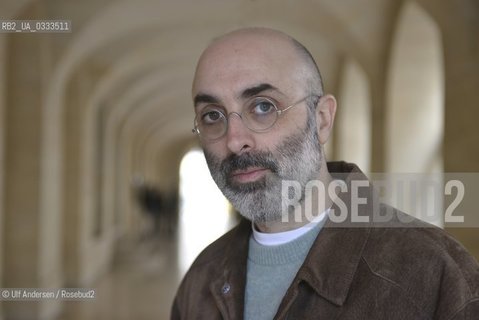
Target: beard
<point>297,158</point>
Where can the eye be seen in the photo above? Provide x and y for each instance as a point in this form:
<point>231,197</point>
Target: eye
<point>211,116</point>
<point>262,106</point>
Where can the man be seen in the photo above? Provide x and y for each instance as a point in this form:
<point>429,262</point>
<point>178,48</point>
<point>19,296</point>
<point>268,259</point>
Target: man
<point>262,118</point>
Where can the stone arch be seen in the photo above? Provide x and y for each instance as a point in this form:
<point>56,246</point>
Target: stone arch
<point>415,94</point>
<point>353,120</point>
<point>415,106</point>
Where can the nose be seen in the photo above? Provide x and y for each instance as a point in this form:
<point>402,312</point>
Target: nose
<point>239,138</point>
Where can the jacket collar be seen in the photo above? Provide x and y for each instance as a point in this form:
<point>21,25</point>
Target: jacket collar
<point>228,289</point>
<point>332,261</point>
<point>329,267</point>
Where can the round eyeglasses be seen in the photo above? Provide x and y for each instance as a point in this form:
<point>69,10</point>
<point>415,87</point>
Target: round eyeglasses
<point>258,114</point>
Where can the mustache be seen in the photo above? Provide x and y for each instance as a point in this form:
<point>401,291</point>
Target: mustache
<point>242,162</point>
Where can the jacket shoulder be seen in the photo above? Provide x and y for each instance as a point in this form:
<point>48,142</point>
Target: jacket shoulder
<point>430,267</point>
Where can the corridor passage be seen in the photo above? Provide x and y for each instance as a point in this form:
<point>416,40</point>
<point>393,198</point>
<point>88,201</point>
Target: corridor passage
<point>96,139</point>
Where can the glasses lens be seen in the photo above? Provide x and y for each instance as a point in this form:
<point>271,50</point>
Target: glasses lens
<point>260,114</point>
<point>211,123</point>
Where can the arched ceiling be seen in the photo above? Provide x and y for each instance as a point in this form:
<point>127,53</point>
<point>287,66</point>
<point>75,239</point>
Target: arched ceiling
<point>144,52</point>
<point>151,47</point>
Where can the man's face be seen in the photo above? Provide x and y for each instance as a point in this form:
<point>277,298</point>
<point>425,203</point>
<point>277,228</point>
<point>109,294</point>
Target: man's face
<point>249,167</point>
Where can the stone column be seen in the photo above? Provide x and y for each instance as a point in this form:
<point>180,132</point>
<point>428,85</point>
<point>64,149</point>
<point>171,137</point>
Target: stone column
<point>461,133</point>
<point>32,256</point>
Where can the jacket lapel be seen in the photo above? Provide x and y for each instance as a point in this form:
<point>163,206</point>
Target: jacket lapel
<point>331,263</point>
<point>228,289</point>
<point>328,269</point>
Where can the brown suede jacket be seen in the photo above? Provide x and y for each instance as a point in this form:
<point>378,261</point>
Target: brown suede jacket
<point>386,270</point>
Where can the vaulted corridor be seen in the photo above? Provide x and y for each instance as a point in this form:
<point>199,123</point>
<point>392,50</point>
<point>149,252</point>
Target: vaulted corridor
<point>95,127</point>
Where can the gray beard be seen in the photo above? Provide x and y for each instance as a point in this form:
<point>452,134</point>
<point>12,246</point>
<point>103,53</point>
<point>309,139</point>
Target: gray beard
<point>297,158</point>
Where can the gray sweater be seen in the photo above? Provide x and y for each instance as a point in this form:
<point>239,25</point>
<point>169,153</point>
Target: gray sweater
<point>270,271</point>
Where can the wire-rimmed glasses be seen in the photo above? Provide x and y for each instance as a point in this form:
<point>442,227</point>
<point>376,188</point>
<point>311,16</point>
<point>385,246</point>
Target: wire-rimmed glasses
<point>259,114</point>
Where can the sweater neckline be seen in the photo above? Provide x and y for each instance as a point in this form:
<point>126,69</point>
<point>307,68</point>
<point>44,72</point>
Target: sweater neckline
<point>280,238</point>
<point>291,252</point>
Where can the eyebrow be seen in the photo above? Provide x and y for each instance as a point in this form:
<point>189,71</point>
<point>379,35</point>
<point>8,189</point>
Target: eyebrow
<point>205,98</point>
<point>247,93</point>
<point>251,92</point>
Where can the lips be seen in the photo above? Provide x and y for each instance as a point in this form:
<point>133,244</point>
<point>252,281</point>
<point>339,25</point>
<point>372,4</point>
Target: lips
<point>249,174</point>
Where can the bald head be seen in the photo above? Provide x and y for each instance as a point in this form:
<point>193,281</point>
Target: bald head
<point>255,52</point>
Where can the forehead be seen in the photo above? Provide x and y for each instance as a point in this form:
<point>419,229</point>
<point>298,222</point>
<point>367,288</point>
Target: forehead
<point>232,64</point>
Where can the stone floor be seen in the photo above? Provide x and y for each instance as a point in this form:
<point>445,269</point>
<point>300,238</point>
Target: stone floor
<point>141,285</point>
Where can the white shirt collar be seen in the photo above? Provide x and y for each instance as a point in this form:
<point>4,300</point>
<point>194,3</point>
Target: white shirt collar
<point>278,238</point>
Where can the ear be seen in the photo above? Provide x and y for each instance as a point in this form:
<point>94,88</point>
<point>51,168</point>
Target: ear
<point>325,112</point>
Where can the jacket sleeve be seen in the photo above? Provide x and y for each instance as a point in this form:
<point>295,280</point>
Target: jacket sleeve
<point>175,310</point>
<point>458,293</point>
